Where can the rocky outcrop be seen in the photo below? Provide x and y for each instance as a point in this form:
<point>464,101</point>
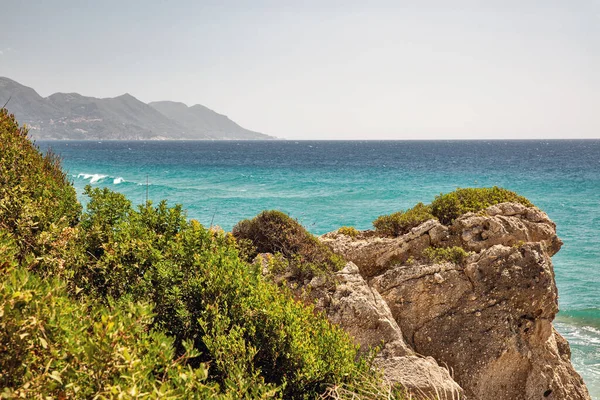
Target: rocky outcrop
<point>349,302</point>
<point>489,319</point>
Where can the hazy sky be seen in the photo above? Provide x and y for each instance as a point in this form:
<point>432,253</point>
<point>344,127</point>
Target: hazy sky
<point>326,69</point>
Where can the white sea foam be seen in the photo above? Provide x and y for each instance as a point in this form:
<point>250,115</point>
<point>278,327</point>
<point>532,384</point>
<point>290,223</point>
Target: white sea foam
<point>95,178</point>
<point>585,352</point>
<point>92,177</point>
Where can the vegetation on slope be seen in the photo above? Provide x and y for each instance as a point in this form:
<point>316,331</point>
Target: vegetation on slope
<point>140,302</point>
<point>446,208</point>
<point>35,195</point>
<point>401,222</point>
<point>53,345</point>
<point>349,231</point>
<point>275,232</point>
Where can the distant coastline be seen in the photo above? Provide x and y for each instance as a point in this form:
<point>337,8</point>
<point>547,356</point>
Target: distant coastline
<point>71,116</point>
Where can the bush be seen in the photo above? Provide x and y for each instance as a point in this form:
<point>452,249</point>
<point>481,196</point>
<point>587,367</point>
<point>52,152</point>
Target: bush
<point>52,346</point>
<point>348,231</point>
<point>455,254</point>
<point>35,194</point>
<point>448,207</point>
<point>274,232</point>
<point>253,334</point>
<point>402,222</point>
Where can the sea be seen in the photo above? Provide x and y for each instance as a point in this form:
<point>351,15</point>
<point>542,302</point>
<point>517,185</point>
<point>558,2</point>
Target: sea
<point>329,184</point>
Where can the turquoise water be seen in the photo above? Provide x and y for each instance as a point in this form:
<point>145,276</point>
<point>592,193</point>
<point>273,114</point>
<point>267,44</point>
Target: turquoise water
<point>329,184</point>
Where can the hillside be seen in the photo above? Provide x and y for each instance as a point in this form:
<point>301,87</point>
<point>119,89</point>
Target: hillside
<point>203,118</point>
<point>74,116</point>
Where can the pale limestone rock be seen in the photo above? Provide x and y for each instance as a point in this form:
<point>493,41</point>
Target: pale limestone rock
<point>374,255</point>
<point>489,320</point>
<point>507,224</point>
<point>349,302</point>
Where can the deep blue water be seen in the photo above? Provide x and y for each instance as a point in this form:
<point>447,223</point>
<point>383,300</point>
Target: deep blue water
<point>327,184</point>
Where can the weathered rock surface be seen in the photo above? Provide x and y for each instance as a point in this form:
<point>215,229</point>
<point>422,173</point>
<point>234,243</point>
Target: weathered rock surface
<point>349,302</point>
<point>362,312</point>
<point>374,255</point>
<point>489,320</point>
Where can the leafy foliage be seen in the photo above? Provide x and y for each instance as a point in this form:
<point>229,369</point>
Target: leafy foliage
<point>348,231</point>
<point>35,194</point>
<point>274,232</point>
<point>52,345</point>
<point>448,207</point>
<point>454,254</point>
<point>253,334</point>
<point>401,222</point>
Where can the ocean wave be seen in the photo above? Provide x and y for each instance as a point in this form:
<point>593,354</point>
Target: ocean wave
<point>93,178</point>
<point>585,337</point>
<point>580,327</point>
<point>100,178</point>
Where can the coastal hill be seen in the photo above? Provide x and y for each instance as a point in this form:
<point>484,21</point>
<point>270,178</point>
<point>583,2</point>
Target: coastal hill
<point>78,117</point>
<point>204,119</point>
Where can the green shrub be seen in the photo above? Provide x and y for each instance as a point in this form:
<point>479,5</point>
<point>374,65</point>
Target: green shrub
<point>274,232</point>
<point>348,231</point>
<point>8,251</point>
<point>252,333</point>
<point>448,207</point>
<point>52,346</point>
<point>34,192</point>
<point>401,222</point>
<point>455,254</point>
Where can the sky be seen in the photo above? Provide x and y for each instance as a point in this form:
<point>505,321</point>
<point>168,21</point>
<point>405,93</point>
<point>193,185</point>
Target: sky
<point>326,69</point>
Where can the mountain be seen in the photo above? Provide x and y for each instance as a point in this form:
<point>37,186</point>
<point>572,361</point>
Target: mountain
<point>73,116</point>
<point>203,118</point>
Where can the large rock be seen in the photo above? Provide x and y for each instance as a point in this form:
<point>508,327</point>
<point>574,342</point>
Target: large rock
<point>374,255</point>
<point>507,224</point>
<point>349,302</point>
<point>490,319</point>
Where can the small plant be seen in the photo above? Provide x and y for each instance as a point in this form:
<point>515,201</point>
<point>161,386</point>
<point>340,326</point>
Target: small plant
<point>455,254</point>
<point>401,222</point>
<point>275,263</point>
<point>348,231</point>
<point>448,207</point>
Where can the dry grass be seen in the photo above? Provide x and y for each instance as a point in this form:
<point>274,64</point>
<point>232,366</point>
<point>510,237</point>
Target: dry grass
<point>386,390</point>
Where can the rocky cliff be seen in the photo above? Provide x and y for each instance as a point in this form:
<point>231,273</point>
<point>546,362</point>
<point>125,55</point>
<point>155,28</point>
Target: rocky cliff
<point>479,328</point>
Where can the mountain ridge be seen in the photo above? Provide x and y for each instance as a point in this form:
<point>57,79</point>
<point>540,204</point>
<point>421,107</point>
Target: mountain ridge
<point>73,116</point>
